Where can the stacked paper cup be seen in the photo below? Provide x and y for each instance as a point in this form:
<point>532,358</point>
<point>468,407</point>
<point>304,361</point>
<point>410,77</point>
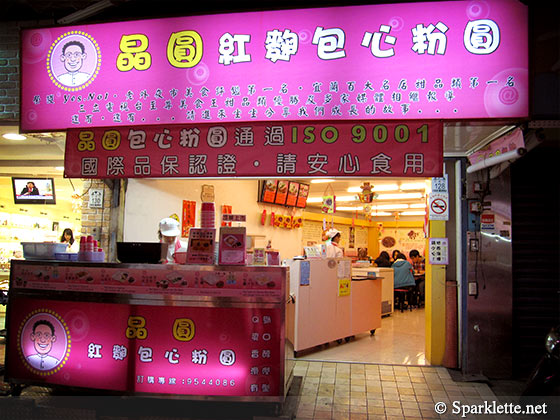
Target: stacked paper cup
<point>207,216</point>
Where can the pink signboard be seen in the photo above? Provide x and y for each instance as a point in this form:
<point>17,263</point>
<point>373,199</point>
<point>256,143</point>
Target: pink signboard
<point>450,60</point>
<point>187,350</point>
<point>411,148</point>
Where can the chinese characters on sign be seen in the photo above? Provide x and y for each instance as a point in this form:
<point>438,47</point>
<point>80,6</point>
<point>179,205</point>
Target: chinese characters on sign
<point>168,350</point>
<point>413,148</point>
<point>333,63</point>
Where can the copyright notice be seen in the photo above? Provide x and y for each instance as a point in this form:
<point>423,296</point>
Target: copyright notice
<point>490,408</point>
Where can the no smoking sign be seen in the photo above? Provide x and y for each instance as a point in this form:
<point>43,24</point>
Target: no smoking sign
<point>439,206</point>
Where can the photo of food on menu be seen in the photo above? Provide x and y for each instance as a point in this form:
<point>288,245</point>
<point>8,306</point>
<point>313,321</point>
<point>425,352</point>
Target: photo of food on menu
<point>281,192</point>
<point>293,188</point>
<point>269,191</point>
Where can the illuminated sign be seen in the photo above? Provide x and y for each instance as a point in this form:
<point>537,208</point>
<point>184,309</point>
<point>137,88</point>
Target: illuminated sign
<point>444,60</point>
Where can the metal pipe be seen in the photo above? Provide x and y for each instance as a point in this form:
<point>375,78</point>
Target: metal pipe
<point>494,160</point>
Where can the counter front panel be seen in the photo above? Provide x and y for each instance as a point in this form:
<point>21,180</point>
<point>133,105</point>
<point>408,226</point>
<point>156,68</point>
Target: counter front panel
<point>202,346</point>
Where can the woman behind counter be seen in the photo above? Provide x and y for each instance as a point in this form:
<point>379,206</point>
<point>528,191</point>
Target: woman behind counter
<point>169,231</point>
<point>333,249</point>
<point>68,238</point>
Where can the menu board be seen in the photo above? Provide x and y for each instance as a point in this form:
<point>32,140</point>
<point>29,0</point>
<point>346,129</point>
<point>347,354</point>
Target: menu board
<point>302,195</point>
<point>284,193</point>
<point>269,191</point>
<point>281,192</point>
<point>293,189</point>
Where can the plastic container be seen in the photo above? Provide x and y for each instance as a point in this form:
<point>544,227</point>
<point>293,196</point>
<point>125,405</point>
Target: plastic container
<point>180,257</point>
<point>42,250</point>
<point>66,256</point>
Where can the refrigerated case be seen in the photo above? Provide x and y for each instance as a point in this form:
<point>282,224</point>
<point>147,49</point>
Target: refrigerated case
<point>198,332</point>
<point>387,285</point>
<point>326,305</point>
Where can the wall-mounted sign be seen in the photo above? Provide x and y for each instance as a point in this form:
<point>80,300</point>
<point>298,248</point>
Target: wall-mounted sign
<point>438,251</point>
<point>438,206</point>
<point>95,199</point>
<point>487,221</point>
<point>442,60</point>
<point>345,148</point>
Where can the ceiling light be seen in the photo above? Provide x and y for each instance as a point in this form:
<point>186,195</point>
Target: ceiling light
<point>380,213</point>
<point>14,136</point>
<point>380,187</point>
<point>390,207</point>
<point>59,168</point>
<point>321,181</point>
<point>418,206</point>
<point>413,213</point>
<point>414,186</point>
<point>401,196</point>
<point>346,198</point>
<point>349,208</point>
<point>342,198</point>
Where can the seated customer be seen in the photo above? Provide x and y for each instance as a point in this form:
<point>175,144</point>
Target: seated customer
<point>419,266</point>
<point>403,272</point>
<point>383,260</point>
<point>404,278</point>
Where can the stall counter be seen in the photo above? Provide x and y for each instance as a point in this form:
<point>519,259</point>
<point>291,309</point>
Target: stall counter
<point>326,305</point>
<point>199,332</point>
<point>386,274</point>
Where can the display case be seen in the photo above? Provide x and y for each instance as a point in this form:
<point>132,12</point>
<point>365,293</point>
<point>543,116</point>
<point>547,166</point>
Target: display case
<point>198,332</point>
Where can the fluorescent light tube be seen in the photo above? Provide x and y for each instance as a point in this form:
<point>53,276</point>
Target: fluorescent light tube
<point>399,196</point>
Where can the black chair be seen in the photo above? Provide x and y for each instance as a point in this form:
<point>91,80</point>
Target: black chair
<point>405,298</point>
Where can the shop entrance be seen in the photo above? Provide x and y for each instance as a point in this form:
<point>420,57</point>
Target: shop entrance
<point>375,215</point>
<point>397,223</point>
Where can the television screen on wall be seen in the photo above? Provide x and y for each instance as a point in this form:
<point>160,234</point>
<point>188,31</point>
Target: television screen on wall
<point>33,190</point>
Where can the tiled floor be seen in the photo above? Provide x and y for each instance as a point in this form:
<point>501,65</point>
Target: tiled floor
<point>371,391</point>
<point>400,340</point>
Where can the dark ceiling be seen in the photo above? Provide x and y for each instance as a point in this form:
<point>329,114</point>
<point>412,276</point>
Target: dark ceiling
<point>139,9</point>
<point>48,10</point>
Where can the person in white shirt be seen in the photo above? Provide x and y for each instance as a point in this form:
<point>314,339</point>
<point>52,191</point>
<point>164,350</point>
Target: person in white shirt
<point>333,249</point>
<point>68,238</point>
<point>169,231</point>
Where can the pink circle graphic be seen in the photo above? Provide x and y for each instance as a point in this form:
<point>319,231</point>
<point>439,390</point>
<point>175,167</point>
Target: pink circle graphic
<point>304,36</point>
<point>199,74</point>
<point>508,94</point>
<point>78,323</point>
<point>478,9</point>
<point>31,116</point>
<point>36,39</point>
<point>397,23</point>
<point>35,45</point>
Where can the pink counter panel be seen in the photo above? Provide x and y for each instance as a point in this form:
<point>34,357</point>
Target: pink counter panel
<point>210,332</point>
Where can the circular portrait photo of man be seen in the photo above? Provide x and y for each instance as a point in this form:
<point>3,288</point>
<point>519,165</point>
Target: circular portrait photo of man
<point>44,342</point>
<point>73,61</point>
